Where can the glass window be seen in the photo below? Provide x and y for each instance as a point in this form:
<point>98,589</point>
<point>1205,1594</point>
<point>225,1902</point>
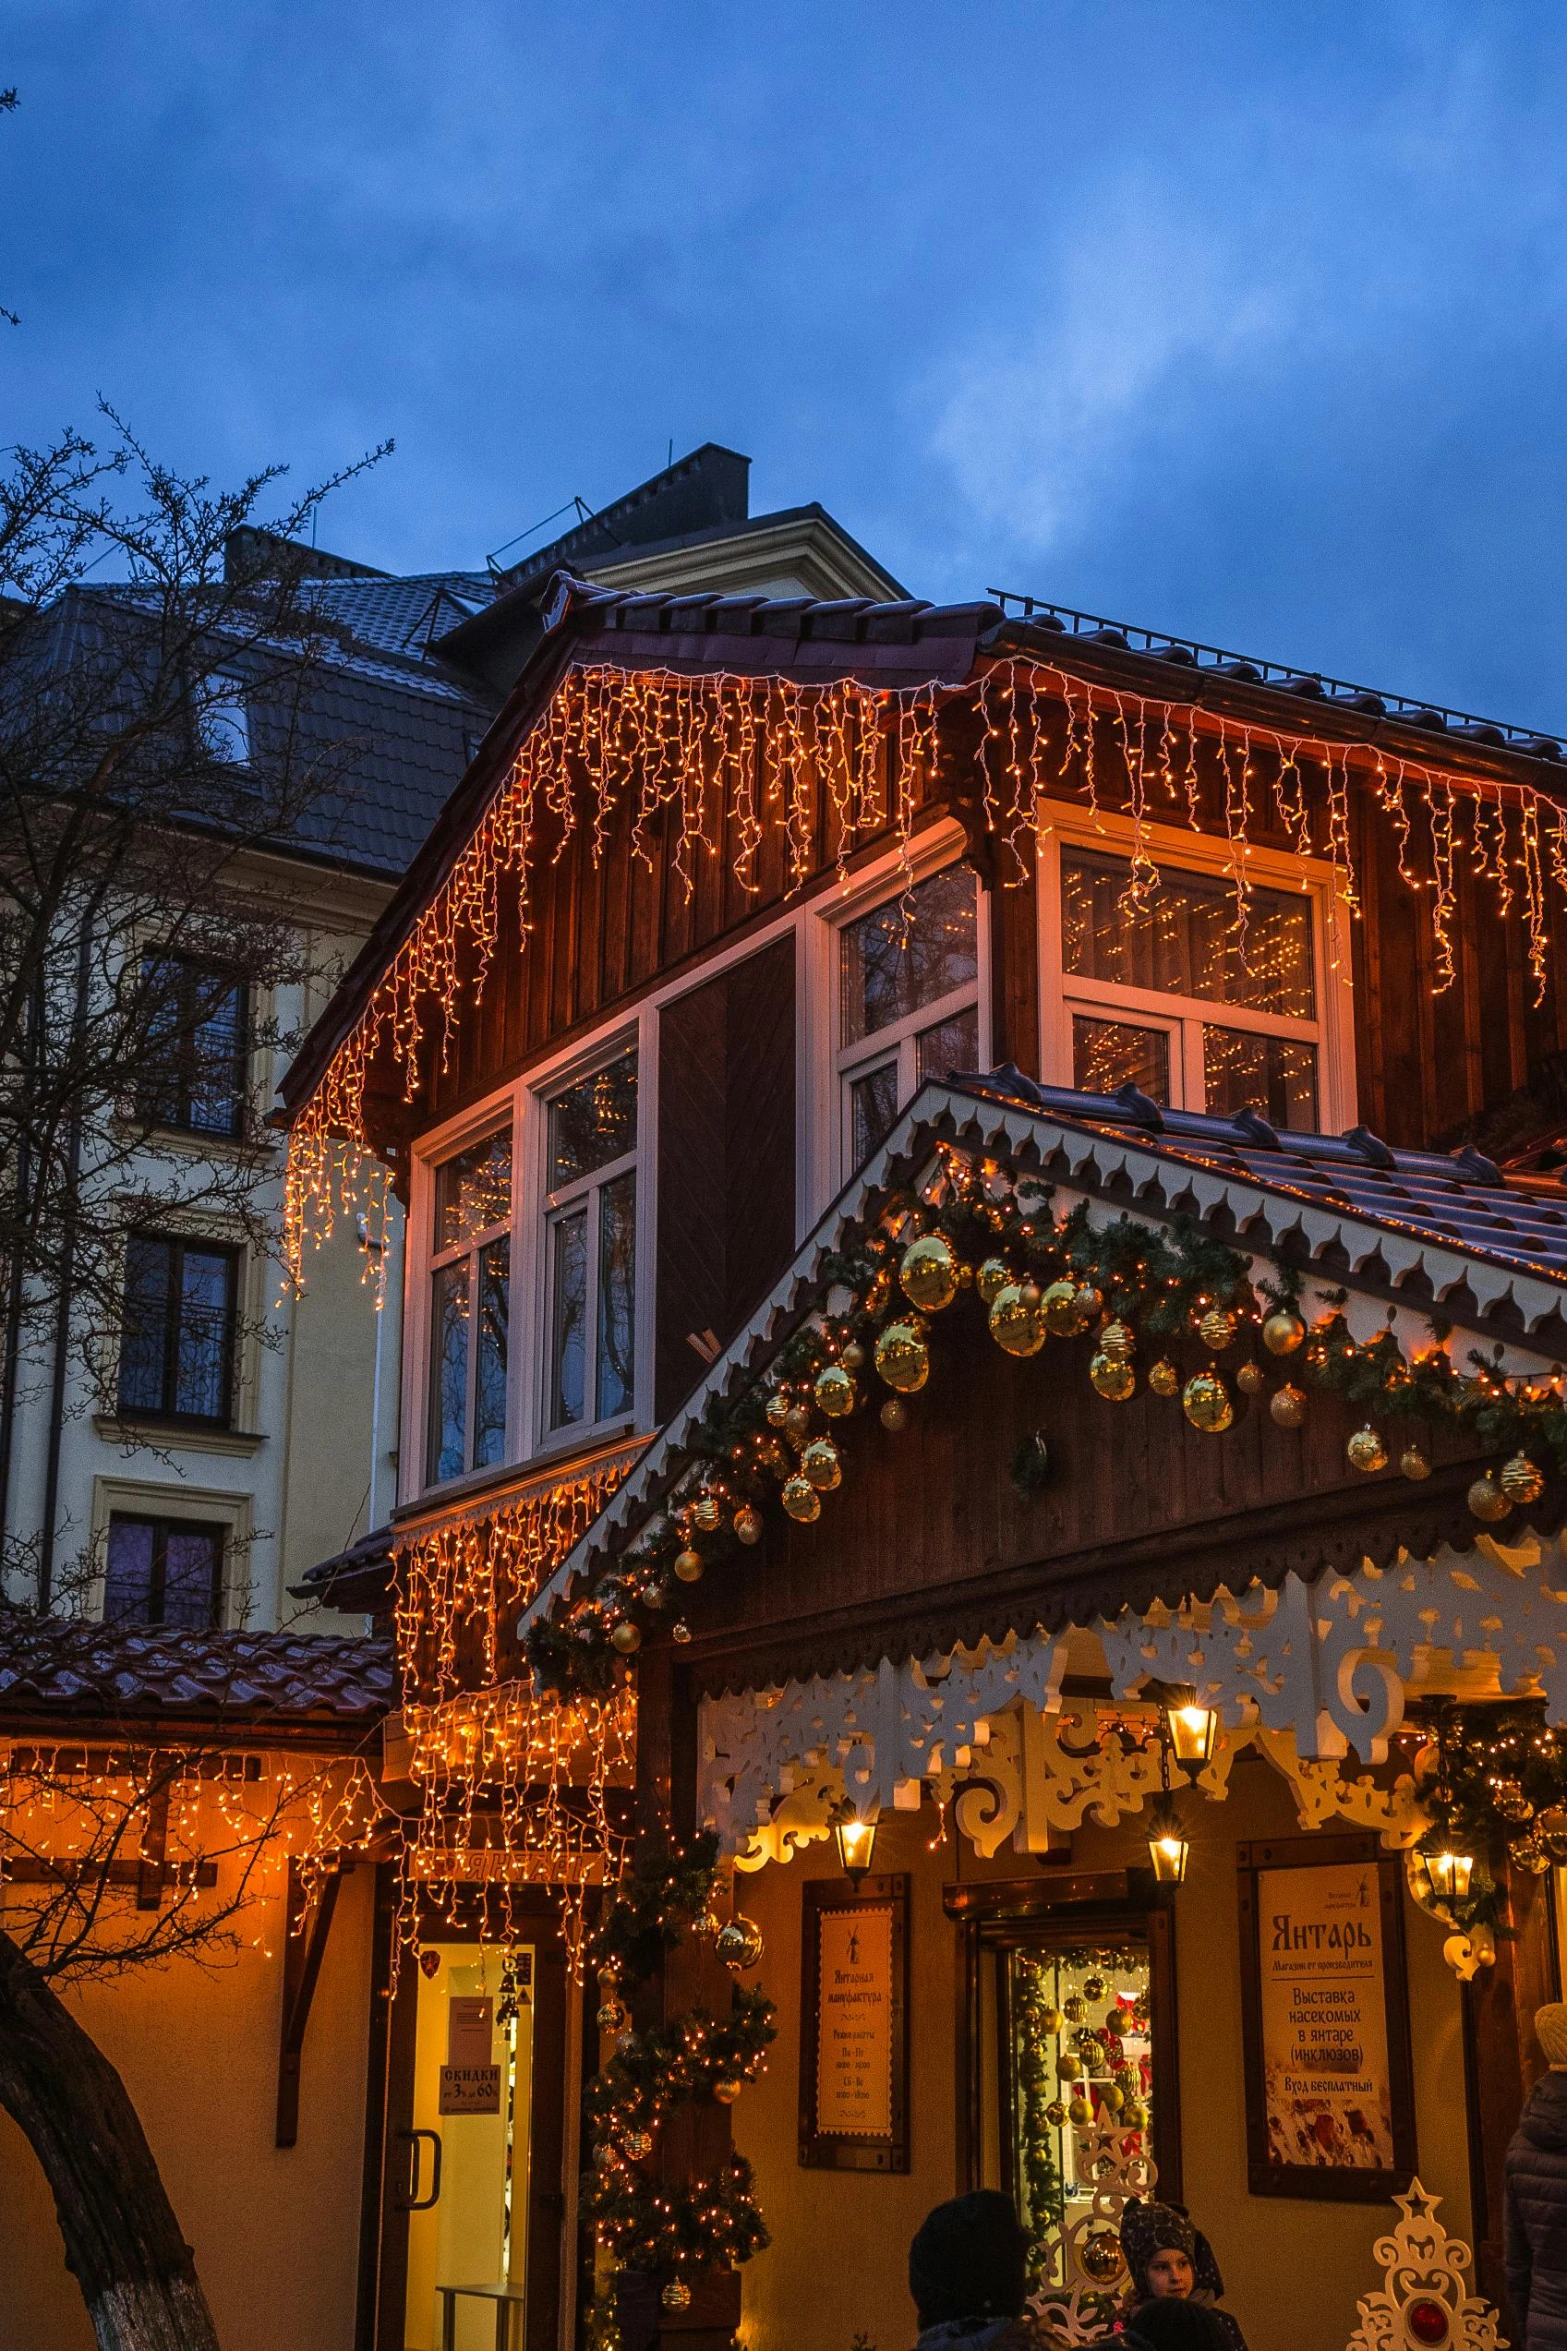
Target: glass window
<point>163,1571</point>
<point>198,1040</point>
<point>1274,1075</point>
<point>591,1241</point>
<point>225,721</point>
<point>1107,1054</point>
<point>908,1002</point>
<point>177,1329</point>
<point>471,1265</point>
<point>1186,941</point>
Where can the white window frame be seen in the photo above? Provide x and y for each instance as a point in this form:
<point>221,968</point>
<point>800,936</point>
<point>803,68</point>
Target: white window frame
<point>553,1208</point>
<point>1183,1018</point>
<point>471,1249</point>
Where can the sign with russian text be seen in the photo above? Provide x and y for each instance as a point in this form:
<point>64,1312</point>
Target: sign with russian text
<point>854,2034</point>
<point>470,2080</point>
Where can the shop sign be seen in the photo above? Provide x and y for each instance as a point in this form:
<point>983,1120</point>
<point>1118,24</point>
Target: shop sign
<point>470,2081</point>
<point>1328,2087</point>
<point>854,2046</point>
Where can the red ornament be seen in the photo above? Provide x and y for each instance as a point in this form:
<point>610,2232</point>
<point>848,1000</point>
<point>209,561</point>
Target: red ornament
<point>1427,2321</point>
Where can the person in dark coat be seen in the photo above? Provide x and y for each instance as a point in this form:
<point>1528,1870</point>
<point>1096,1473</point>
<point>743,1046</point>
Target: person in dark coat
<point>1171,2324</point>
<point>1535,2209</point>
<point>1170,2260</point>
<point>968,2274</point>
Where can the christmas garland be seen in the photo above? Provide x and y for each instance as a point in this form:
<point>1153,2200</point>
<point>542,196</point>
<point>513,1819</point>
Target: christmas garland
<point>982,1238</point>
<point>708,2222</point>
<point>1493,1782</point>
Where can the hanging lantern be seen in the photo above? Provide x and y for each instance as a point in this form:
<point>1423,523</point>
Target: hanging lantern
<point>688,1566</point>
<point>991,1279</point>
<point>1520,1480</point>
<point>1487,1500</point>
<point>1205,1400</point>
<point>902,1357</point>
<point>1065,1314</point>
<point>1164,1379</point>
<point>1217,1328</point>
<point>705,1513</point>
<point>1366,1450</point>
<point>1118,1340</point>
<point>1441,1872</point>
<point>1250,1379</point>
<point>801,1499</point>
<point>820,1463</point>
<point>739,1944</point>
<point>1413,1464</point>
<point>748,1523</point>
<point>1014,1323</point>
<point>856,1843</point>
<point>929,1274</point>
<point>894,1416</point>
<point>1112,1378</point>
<point>1167,1845</point>
<point>1193,1731</point>
<point>1283,1332</point>
<point>1287,1407</point>
<point>834,1391</point>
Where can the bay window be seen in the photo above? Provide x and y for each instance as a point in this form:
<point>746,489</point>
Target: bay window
<point>908,1003</point>
<point>590,1216</point>
<point>470,1287</point>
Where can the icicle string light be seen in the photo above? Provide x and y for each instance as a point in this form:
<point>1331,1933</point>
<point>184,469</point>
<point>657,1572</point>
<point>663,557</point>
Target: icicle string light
<point>720,762</point>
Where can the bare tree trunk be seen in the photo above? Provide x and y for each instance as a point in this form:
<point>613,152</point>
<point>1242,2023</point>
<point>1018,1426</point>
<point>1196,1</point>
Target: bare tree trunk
<point>122,2241</point>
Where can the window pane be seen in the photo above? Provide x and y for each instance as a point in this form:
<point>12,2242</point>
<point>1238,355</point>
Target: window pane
<point>1106,1053</point>
<point>594,1121</point>
<point>951,1045</point>
<point>191,1560</point>
<point>568,1318</point>
<point>127,1588</point>
<point>205,1333</point>
<point>617,1295</point>
<point>217,1087</point>
<point>1276,1075</point>
<point>890,970</point>
<point>449,1370</point>
<point>163,1093</point>
<point>473,1191</point>
<point>873,1105</point>
<point>489,1402</point>
<point>1184,942</point>
<point>145,1335</point>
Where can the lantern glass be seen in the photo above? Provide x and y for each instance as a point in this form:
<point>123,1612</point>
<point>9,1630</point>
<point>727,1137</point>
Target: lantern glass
<point>1450,1874</point>
<point>1193,1730</point>
<point>1167,1845</point>
<point>856,1842</point>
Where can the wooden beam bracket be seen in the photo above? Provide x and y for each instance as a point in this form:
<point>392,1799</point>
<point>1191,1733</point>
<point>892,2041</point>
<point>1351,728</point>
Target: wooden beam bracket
<point>304,1947</point>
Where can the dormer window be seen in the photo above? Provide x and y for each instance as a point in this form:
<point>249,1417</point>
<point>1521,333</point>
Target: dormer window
<point>470,1293</point>
<point>590,1220</point>
<point>908,1006</point>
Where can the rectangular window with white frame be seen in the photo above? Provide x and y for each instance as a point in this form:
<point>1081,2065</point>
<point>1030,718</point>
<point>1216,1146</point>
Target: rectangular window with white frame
<point>469,1301</point>
<point>590,1252</point>
<point>1169,991</point>
<point>908,1002</point>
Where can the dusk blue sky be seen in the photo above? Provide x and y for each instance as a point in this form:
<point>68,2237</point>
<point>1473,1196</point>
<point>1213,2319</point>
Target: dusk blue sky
<point>1247,322</point>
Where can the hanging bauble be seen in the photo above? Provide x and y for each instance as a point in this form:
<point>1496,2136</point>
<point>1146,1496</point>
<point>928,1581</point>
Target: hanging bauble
<point>638,2146</point>
<point>1125,2080</point>
<point>929,1274</point>
<point>991,1279</point>
<point>1101,2255</point>
<point>1510,1800</point>
<point>801,1500</point>
<point>777,1409</point>
<point>1287,1406</point>
<point>625,2042</point>
<point>902,1358</point>
<point>797,1421</point>
<point>1217,1328</point>
<point>1520,1480</point>
<point>1112,2098</point>
<point>1090,1304</point>
<point>1529,1855</point>
<point>705,1513</point>
<point>1366,1451</point>
<point>1135,2115</point>
<point>1205,1400</point>
<point>626,1637</point>
<point>894,1416</point>
<point>688,1566</point>
<point>654,1595</point>
<point>820,1463</point>
<point>1064,1311</point>
<point>1164,1379</point>
<point>1551,1829</point>
<point>680,1631</point>
<point>1487,1500</point>
<point>1055,2114</point>
<point>1111,1379</point>
<point>739,1944</point>
<point>1086,2042</point>
<point>1050,2020</point>
<point>1074,2008</point>
<point>834,1391</point>
<point>1283,1332</point>
<point>1069,2066</point>
<point>676,2295</point>
<point>1413,1464</point>
<point>1014,1324</point>
<point>727,2092</point>
<point>612,2017</point>
<point>1118,1340</point>
<point>1250,1379</point>
<point>748,1523</point>
<point>853,1356</point>
<point>1080,2114</point>
<point>1093,1987</point>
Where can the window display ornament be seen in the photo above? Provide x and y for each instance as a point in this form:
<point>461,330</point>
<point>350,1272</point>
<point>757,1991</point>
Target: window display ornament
<point>1423,2298</point>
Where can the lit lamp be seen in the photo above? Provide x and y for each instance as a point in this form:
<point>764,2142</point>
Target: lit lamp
<point>856,1843</point>
<point>1167,1845</point>
<point>1193,1731</point>
<point>1443,1875</point>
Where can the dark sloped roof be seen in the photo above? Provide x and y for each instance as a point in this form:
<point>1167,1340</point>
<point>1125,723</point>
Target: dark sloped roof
<point>123,1676</point>
<point>401,615</point>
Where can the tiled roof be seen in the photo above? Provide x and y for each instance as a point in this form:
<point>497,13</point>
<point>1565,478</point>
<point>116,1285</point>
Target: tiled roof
<point>400,615</point>
<point>120,1675</point>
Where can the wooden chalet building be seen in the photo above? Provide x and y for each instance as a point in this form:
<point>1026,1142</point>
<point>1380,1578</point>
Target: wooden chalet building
<point>965,1336</point>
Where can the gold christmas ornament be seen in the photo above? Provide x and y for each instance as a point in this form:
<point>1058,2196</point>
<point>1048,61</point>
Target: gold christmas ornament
<point>853,1356</point>
<point>1520,1480</point>
<point>748,1524</point>
<point>929,1274</point>
<point>1413,1464</point>
<point>991,1279</point>
<point>1050,2020</point>
<point>1055,2114</point>
<point>1527,1853</point>
<point>777,1409</point>
<point>1551,1829</point>
<point>727,2092</point>
<point>1487,1501</point>
<point>1093,1987</point>
<point>1205,1400</point>
<point>1074,2008</point>
<point>613,2017</point>
<point>1080,2113</point>
<point>1118,1340</point>
<point>1065,1314</point>
<point>1283,1332</point>
<point>1014,1324</point>
<point>1164,1379</point>
<point>894,1416</point>
<point>1217,1328</point>
<point>705,1513</point>
<point>676,2295</point>
<point>1090,1304</point>
<point>1112,1379</point>
<point>797,1421</point>
<point>1366,1450</point>
<point>1510,1800</point>
<point>1250,1379</point>
<point>801,1499</point>
<point>1069,2066</point>
<point>626,1637</point>
<point>1135,2115</point>
<point>639,2145</point>
<point>835,1391</point>
<point>820,1463</point>
<point>1287,1406</point>
<point>739,1944</point>
<point>902,1358</point>
<point>1101,2254</point>
<point>680,1632</point>
<point>688,1566</point>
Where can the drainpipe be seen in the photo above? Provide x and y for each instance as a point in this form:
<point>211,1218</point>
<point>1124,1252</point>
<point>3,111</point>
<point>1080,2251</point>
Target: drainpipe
<point>10,1365</point>
<point>62,1319</point>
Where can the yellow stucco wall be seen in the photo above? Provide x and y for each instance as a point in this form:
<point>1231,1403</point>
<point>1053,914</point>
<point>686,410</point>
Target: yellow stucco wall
<point>1293,2270</point>
<point>275,2230</point>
